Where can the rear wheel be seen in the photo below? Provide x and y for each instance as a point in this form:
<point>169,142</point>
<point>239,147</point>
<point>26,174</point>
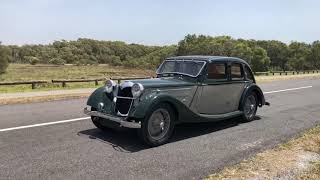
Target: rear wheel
<point>157,127</point>
<point>250,107</point>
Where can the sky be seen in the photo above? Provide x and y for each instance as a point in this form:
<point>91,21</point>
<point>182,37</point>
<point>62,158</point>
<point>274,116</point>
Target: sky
<point>160,22</point>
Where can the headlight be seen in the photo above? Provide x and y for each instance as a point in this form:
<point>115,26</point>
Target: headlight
<point>108,88</point>
<point>137,90</point>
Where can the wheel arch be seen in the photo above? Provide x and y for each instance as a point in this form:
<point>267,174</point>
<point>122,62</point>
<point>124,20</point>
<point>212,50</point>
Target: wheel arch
<point>144,108</point>
<point>249,89</point>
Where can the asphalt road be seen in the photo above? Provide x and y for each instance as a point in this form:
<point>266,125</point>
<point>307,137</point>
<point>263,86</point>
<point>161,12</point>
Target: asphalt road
<point>77,150</point>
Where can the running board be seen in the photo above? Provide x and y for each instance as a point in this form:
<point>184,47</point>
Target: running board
<point>222,116</point>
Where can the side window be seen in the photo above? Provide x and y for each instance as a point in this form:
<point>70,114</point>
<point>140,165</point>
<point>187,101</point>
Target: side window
<point>217,71</point>
<point>236,71</point>
<point>248,73</point>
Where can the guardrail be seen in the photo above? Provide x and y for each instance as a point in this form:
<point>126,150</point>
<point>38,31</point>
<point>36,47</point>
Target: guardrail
<point>65,81</point>
<point>33,83</point>
<point>119,79</point>
<point>286,72</point>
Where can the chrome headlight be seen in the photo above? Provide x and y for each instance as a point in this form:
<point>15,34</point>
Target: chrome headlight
<point>137,90</point>
<point>108,88</point>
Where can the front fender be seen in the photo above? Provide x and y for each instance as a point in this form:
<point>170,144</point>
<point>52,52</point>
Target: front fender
<point>146,105</point>
<point>97,97</point>
<point>252,88</point>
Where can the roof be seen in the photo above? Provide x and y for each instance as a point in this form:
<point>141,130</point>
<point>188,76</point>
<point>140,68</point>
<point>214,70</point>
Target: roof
<point>208,58</point>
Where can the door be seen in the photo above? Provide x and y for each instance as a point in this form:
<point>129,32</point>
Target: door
<point>222,88</point>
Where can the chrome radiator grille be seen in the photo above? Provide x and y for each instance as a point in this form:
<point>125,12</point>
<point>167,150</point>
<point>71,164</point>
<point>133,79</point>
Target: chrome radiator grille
<point>124,100</point>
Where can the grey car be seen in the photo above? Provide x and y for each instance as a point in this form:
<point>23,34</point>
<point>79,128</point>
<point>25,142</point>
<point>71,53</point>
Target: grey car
<point>187,89</point>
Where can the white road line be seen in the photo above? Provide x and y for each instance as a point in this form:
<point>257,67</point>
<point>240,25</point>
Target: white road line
<point>44,124</point>
<point>86,118</point>
<point>283,90</point>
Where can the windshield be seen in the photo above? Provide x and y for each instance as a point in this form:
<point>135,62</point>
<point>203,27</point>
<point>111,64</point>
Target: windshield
<point>186,67</point>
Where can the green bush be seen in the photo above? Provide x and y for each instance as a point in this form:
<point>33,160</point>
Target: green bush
<point>32,60</point>
<point>57,61</point>
<point>4,58</point>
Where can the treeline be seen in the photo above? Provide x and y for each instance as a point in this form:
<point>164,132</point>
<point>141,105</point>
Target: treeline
<point>262,55</point>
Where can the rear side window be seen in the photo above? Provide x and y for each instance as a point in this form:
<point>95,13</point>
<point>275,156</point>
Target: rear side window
<point>217,71</point>
<point>248,73</point>
<point>236,71</point>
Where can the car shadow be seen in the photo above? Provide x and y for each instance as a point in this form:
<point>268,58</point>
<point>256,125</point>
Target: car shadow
<point>127,140</point>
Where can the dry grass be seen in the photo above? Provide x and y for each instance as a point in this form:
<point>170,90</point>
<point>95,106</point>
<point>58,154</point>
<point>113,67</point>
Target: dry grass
<point>20,72</point>
<point>288,77</point>
<point>25,72</point>
<point>290,160</point>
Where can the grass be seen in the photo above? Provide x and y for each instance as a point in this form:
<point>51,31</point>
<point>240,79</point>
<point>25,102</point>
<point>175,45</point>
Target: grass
<point>283,162</point>
<point>284,77</point>
<point>25,72</point>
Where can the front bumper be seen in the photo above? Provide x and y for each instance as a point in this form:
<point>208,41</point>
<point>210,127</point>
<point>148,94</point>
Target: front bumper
<point>121,120</point>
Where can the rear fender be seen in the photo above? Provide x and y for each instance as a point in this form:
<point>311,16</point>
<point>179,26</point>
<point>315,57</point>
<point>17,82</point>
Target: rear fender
<point>249,89</point>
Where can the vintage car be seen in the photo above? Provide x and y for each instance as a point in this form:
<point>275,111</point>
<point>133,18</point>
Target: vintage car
<point>187,89</point>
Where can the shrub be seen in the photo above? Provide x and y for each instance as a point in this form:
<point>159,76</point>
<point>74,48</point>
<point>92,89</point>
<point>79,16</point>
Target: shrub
<point>32,60</point>
<point>57,61</point>
<point>4,59</point>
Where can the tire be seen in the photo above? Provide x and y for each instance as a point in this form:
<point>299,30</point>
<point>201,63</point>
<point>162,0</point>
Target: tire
<point>250,107</point>
<point>157,127</point>
<point>97,122</point>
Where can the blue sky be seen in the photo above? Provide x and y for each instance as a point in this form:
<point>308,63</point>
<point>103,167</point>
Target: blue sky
<point>157,22</point>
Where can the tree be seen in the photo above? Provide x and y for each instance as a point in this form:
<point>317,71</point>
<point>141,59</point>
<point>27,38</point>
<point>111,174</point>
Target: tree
<point>298,56</point>
<point>277,52</point>
<point>315,55</point>
<point>4,58</point>
<point>260,60</point>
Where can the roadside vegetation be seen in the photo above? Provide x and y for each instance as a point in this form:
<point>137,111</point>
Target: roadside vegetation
<point>87,58</point>
<point>297,159</point>
<point>262,55</point>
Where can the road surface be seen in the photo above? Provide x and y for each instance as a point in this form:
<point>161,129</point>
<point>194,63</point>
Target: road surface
<point>54,140</point>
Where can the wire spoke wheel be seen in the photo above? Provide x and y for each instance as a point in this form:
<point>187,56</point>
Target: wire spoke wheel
<point>250,106</point>
<point>159,124</point>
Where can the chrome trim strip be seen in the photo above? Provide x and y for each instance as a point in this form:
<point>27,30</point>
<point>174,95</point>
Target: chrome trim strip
<point>121,121</point>
<point>158,90</point>
<point>122,97</point>
<point>204,63</point>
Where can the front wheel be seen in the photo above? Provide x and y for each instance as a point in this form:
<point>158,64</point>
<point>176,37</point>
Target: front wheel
<point>157,127</point>
<point>97,122</point>
<point>250,107</point>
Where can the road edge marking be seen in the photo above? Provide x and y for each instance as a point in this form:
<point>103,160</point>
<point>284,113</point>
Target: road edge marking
<point>44,124</point>
<point>283,90</point>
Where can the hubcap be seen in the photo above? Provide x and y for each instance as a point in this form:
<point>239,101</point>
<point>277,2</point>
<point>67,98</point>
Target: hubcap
<point>159,124</point>
<point>250,106</point>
